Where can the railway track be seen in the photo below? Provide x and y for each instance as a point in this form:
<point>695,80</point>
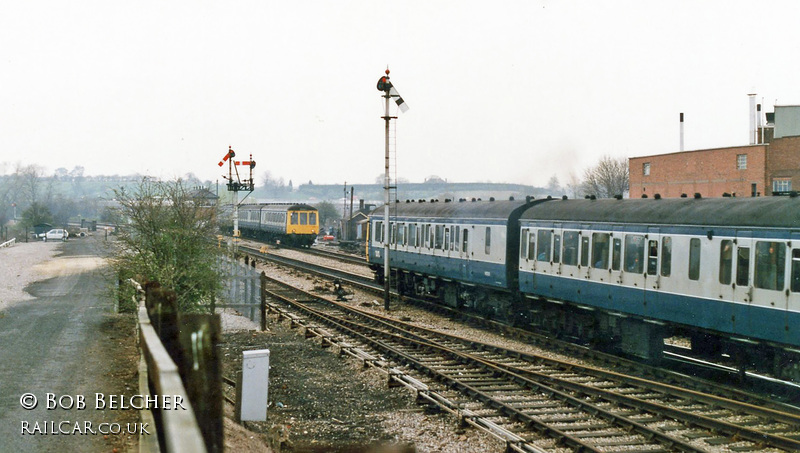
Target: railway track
<point>679,368</point>
<point>344,257</point>
<point>534,403</point>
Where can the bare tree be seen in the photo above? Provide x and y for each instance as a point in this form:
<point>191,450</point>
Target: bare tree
<point>606,179</point>
<point>167,239</point>
<point>29,180</point>
<point>327,213</point>
<point>574,186</point>
<point>553,186</point>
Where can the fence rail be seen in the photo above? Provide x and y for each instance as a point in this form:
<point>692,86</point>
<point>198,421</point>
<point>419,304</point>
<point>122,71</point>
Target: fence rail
<point>8,243</point>
<point>190,428</point>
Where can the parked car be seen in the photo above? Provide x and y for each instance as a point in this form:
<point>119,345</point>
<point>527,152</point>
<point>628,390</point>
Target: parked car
<point>56,233</point>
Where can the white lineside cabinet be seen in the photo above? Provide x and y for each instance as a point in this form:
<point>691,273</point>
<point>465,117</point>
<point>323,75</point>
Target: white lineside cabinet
<point>255,383</point>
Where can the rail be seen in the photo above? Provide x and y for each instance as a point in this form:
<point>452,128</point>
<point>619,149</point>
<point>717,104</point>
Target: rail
<point>178,429</point>
<point>8,243</point>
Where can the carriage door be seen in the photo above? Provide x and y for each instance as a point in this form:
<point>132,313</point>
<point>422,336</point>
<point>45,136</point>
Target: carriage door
<point>741,285</point>
<point>794,270</point>
<point>634,266</point>
<point>652,277</point>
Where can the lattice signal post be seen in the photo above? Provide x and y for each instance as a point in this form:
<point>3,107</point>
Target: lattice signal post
<point>236,184</point>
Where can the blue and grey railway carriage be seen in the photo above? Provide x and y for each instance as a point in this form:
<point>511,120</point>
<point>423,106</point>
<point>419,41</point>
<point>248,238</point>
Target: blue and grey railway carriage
<point>724,272</point>
<point>622,274</point>
<point>456,251</point>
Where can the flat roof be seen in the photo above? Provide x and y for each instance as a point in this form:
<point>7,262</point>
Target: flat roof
<point>700,150</point>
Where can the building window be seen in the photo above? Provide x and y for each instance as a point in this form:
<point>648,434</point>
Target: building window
<point>781,185</point>
<point>646,168</point>
<point>741,161</point>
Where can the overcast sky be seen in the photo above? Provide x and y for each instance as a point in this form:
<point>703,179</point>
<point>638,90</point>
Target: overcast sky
<point>501,91</point>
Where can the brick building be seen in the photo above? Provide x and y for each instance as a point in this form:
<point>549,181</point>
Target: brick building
<point>742,171</point>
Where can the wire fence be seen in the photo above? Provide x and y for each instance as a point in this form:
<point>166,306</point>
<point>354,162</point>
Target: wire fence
<point>241,287</point>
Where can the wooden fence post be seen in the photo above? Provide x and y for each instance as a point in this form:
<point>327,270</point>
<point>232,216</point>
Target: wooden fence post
<point>202,375</point>
<point>263,301</point>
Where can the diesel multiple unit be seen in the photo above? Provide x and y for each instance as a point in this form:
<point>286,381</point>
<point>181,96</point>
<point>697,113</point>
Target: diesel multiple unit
<point>622,273</point>
<point>291,224</point>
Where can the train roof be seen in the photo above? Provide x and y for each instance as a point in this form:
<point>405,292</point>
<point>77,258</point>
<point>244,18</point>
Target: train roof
<point>760,212</point>
<point>453,209</point>
<point>279,206</point>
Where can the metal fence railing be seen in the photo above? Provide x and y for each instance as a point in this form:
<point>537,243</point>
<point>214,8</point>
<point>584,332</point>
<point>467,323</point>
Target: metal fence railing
<point>241,287</point>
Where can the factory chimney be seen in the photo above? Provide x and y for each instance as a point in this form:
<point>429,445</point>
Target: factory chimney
<point>759,125</point>
<point>753,133</point>
<point>681,131</point>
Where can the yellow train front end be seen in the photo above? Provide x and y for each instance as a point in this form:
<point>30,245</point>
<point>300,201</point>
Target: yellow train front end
<point>302,225</point>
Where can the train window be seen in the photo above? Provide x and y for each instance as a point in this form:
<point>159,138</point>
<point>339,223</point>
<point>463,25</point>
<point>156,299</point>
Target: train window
<point>666,256</point>
<point>694,259</point>
<point>413,236</point>
<point>725,261</point>
<point>438,239</point>
<point>600,248</point>
<point>634,253</point>
<point>795,282</point>
<point>458,236</point>
<point>303,218</point>
<point>378,232</point>
<point>652,257</point>
<point>294,218</point>
<point>584,250</point>
<point>312,218</point>
<point>393,232</point>
<point>770,265</point>
<point>531,247</point>
<point>452,237</point>
<point>743,266</point>
<point>401,234</point>
<point>556,248</point>
<point>570,255</point>
<point>427,235</point>
<point>431,241</point>
<point>488,241</point>
<point>616,253</point>
<point>465,240</point>
<point>447,238</point>
<point>545,245</point>
<point>523,244</point>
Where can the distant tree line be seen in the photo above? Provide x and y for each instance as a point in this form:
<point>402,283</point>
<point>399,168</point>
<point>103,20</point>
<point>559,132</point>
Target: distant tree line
<point>69,195</point>
<point>31,197</point>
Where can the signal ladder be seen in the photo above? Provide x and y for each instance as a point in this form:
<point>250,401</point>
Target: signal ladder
<point>393,164</point>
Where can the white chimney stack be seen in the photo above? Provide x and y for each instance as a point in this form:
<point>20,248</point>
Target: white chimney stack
<point>759,125</point>
<point>753,133</point>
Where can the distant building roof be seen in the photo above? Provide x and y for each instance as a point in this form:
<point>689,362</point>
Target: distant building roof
<point>202,192</point>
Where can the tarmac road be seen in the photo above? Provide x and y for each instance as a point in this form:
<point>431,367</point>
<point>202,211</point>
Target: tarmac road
<point>58,344</point>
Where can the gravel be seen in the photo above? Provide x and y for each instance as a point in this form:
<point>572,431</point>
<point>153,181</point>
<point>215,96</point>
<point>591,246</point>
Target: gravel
<point>19,267</point>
